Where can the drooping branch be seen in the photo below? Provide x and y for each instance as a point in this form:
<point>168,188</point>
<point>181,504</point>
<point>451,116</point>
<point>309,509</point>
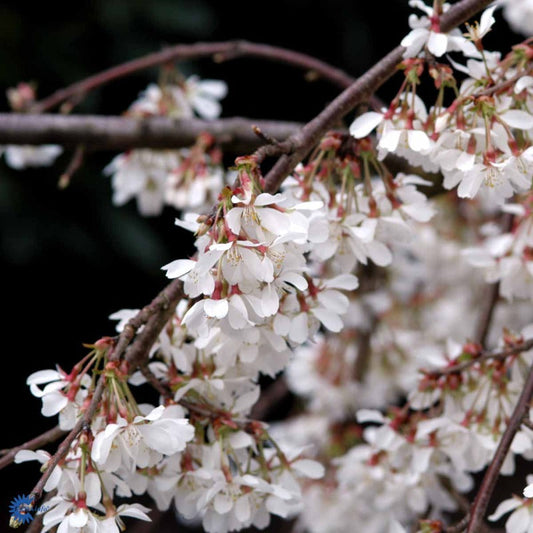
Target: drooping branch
<point>159,312</point>
<point>220,51</point>
<point>153,317</point>
<point>119,133</point>
<point>64,447</point>
<point>488,484</point>
<point>45,438</point>
<point>357,93</point>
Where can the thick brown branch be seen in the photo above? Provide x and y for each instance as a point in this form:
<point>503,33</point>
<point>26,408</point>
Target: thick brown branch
<point>359,91</point>
<point>160,310</point>
<point>488,484</point>
<point>45,438</point>
<point>119,133</point>
<point>221,51</point>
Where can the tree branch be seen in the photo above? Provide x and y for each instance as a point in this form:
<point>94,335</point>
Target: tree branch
<point>359,91</point>
<point>484,356</point>
<point>120,133</point>
<point>8,456</point>
<point>488,484</point>
<point>154,316</point>
<point>157,314</point>
<point>492,295</point>
<point>64,447</point>
<point>221,51</point>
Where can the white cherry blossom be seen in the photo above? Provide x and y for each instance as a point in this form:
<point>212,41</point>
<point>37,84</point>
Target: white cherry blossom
<point>425,32</point>
<point>142,442</point>
<point>25,156</point>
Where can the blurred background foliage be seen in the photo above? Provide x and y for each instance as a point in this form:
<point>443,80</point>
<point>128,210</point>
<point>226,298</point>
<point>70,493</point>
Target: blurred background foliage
<point>69,258</point>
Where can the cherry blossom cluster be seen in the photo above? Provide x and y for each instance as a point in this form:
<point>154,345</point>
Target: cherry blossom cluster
<point>186,179</point>
<point>429,284</point>
<point>392,469</point>
<point>204,458</point>
<point>480,142</point>
<point>361,280</point>
<point>20,157</point>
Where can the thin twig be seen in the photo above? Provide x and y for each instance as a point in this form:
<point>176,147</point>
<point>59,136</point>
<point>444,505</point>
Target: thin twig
<point>73,167</point>
<point>155,316</point>
<point>491,296</point>
<point>460,526</point>
<point>158,385</point>
<point>36,524</point>
<point>488,484</point>
<point>484,356</point>
<point>219,50</point>
<point>364,349</point>
<point>66,443</point>
<point>8,456</point>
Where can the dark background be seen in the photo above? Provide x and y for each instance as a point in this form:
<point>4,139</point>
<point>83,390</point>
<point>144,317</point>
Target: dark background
<point>69,258</point>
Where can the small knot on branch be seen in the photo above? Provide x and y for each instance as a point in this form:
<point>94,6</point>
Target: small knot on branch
<point>273,147</point>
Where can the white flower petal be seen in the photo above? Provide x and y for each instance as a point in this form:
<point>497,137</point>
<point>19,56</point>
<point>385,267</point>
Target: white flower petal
<point>418,140</point>
<point>309,468</point>
<point>78,518</point>
<point>516,118</point>
<point>222,503</point>
<point>329,319</point>
<point>523,83</point>
<point>266,198</point>
<point>53,403</point>
<point>216,308</point>
<point>504,507</point>
<point>178,268</point>
<point>29,455</point>
<point>43,376</point>
<point>437,43</point>
<point>347,282</point>
<point>370,415</point>
<point>242,509</point>
<point>135,510</point>
<point>365,123</point>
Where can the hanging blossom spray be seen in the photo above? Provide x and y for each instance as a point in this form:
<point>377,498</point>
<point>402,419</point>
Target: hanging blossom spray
<point>359,282</point>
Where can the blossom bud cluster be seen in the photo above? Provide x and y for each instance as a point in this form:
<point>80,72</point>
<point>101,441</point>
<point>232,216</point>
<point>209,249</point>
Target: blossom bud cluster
<point>481,141</point>
<point>187,178</point>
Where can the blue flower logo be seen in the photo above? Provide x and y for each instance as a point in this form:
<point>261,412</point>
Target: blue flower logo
<point>21,509</point>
